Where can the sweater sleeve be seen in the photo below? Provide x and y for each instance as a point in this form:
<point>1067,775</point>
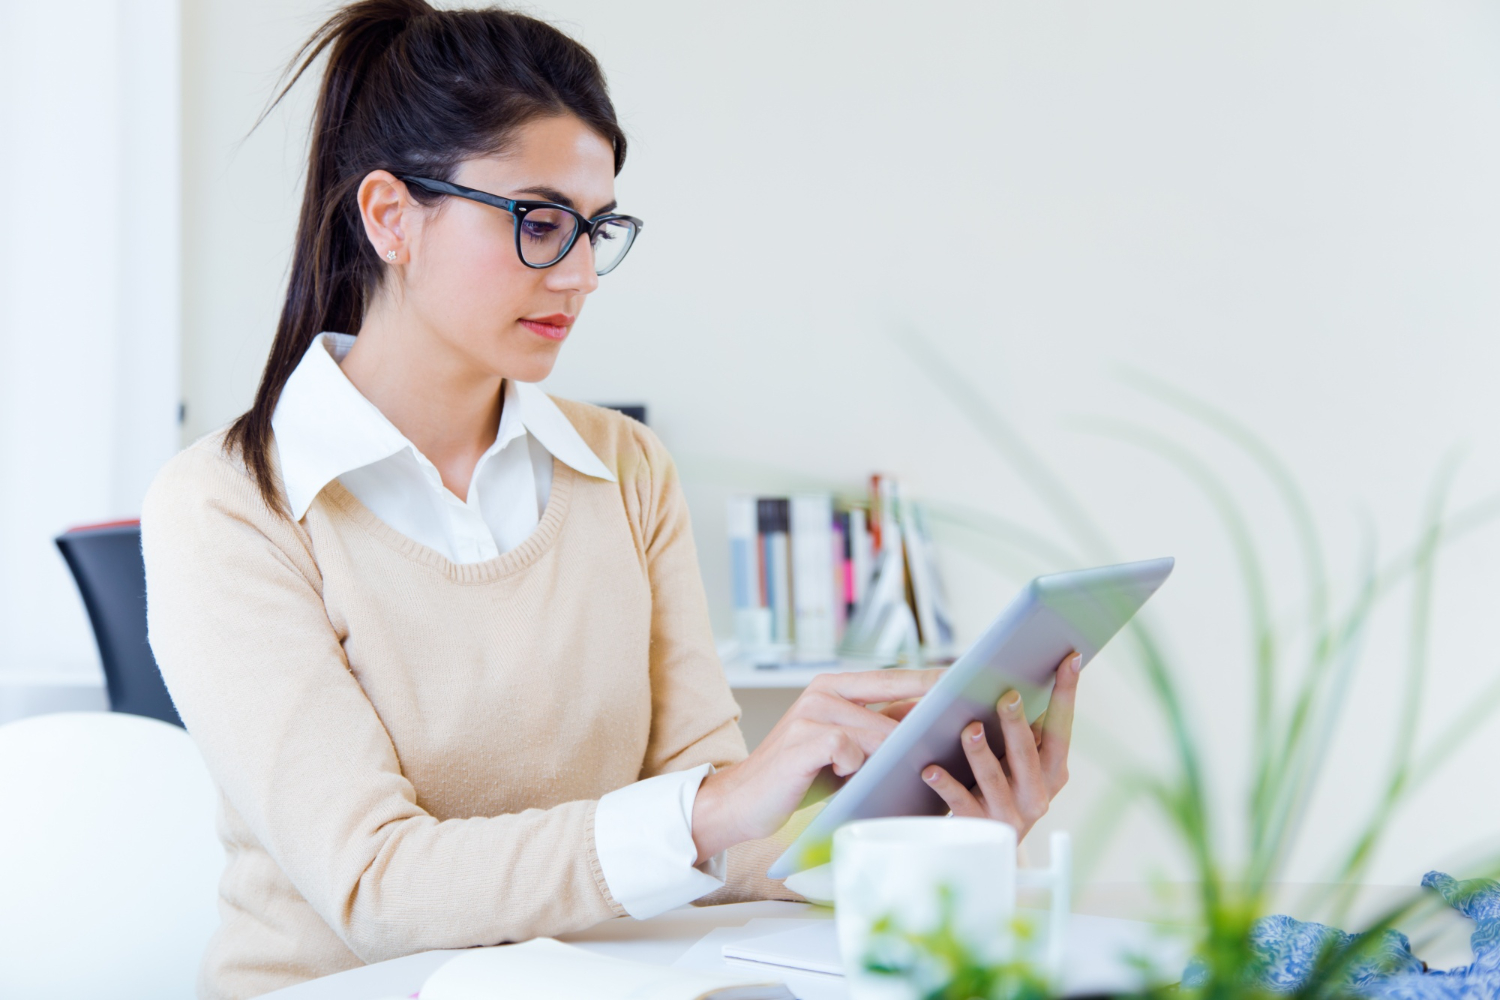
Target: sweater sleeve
<point>259,676</point>
<point>694,718</point>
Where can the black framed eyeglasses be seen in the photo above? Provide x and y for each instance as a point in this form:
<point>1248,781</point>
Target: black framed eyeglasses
<point>546,231</point>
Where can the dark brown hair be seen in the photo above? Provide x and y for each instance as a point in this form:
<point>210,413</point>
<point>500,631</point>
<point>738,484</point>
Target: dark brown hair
<point>413,90</point>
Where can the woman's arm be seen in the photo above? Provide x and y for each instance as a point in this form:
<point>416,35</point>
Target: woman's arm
<point>694,718</point>
<point>745,806</point>
<point>258,673</point>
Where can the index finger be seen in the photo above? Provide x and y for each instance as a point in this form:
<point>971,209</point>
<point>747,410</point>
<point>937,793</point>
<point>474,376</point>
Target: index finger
<point>865,687</point>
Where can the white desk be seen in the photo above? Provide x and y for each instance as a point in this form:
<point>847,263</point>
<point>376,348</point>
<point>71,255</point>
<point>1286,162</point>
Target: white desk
<point>1099,952</point>
<point>661,940</point>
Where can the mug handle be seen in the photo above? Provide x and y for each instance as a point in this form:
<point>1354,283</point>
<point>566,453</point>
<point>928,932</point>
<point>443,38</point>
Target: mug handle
<point>1058,876</point>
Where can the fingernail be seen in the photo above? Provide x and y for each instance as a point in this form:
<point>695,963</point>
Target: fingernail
<point>930,774</point>
<point>1011,702</point>
<point>977,734</point>
<point>1077,662</point>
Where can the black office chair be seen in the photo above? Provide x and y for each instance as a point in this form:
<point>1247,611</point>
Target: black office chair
<point>634,410</point>
<point>111,575</point>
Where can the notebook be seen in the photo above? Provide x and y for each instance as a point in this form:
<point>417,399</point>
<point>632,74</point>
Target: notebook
<point>544,969</point>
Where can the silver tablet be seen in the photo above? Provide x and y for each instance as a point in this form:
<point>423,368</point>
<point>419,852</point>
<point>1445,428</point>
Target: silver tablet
<point>1054,616</point>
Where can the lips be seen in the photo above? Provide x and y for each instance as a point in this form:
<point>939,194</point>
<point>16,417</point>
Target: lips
<point>554,327</point>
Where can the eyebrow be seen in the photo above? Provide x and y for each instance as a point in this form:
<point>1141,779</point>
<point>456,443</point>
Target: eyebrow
<point>554,195</point>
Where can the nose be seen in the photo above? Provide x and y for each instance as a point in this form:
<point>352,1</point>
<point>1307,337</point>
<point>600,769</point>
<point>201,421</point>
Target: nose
<point>575,272</point>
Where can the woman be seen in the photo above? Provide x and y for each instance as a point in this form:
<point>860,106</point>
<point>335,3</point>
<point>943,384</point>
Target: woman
<point>441,638</point>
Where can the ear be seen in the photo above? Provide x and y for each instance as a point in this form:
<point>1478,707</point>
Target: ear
<point>384,204</point>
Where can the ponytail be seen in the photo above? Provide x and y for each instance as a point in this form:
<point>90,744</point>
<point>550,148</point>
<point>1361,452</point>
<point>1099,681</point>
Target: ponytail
<point>412,90</point>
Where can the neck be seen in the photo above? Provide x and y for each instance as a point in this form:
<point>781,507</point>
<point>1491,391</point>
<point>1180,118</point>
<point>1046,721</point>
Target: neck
<point>438,398</point>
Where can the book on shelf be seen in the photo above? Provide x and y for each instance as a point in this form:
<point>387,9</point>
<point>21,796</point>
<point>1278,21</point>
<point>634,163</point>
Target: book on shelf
<point>928,598</point>
<point>813,577</point>
<point>773,517</point>
<point>812,539</point>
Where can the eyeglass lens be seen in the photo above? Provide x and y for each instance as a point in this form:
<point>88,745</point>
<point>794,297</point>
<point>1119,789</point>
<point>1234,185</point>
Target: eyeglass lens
<point>611,240</point>
<point>547,232</point>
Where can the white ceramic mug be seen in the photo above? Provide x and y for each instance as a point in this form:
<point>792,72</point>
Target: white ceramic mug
<point>906,871</point>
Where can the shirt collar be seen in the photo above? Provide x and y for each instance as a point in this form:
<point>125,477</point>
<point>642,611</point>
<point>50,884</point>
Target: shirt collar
<point>550,426</point>
<point>324,427</point>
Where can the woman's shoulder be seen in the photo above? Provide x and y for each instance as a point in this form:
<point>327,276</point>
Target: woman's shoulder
<point>645,472</point>
<point>208,474</point>
<point>621,442</point>
<point>205,466</point>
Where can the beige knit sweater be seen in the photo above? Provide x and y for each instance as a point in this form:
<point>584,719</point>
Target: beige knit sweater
<point>409,751</point>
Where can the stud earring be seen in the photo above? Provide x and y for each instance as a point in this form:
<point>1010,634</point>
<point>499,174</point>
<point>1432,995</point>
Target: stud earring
<point>390,255</point>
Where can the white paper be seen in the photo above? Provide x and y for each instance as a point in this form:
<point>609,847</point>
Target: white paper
<point>707,956</point>
<point>812,948</point>
<point>544,969</point>
<point>1100,955</point>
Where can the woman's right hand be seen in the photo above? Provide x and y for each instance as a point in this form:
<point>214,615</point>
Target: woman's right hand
<point>830,725</point>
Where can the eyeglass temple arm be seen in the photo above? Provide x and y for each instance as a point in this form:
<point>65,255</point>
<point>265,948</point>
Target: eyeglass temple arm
<point>507,204</point>
<point>443,187</point>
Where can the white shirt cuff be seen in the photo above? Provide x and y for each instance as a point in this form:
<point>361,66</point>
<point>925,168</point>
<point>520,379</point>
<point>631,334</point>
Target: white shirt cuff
<point>643,834</point>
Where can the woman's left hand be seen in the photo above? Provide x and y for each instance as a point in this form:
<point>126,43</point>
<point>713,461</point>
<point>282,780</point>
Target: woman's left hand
<point>1018,789</point>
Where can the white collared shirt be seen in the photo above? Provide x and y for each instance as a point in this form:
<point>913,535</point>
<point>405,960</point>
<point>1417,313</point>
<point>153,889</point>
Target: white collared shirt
<point>326,430</point>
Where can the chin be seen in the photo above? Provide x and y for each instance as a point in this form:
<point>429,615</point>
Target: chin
<point>534,367</point>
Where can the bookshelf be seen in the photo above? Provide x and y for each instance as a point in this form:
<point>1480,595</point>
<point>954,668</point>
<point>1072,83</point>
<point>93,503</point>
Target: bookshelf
<point>823,583</point>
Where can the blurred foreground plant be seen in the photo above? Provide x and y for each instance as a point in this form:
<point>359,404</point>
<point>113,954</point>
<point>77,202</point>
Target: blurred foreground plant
<point>1302,676</point>
<point>938,964</point>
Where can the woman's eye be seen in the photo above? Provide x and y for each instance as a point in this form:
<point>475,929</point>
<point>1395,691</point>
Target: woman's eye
<point>538,229</point>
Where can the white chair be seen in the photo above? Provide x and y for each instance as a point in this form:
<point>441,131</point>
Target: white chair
<point>109,863</point>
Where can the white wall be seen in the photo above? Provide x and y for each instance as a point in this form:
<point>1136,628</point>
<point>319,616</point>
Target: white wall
<point>89,270</point>
<point>1286,207</point>
<point>240,195</point>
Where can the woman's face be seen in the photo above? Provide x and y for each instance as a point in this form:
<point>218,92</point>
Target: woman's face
<point>457,274</point>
